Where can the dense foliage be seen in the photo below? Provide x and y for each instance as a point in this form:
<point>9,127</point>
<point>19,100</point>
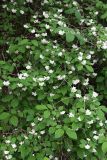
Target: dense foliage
<point>53,80</point>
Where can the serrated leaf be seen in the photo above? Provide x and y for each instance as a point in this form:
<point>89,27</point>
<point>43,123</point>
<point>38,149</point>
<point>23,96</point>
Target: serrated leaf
<point>71,134</point>
<point>59,133</point>
<point>14,120</point>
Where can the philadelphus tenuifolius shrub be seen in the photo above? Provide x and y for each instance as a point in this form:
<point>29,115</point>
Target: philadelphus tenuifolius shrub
<point>53,80</point>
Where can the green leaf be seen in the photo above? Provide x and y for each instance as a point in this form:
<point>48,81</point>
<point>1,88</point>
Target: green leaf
<point>70,35</point>
<point>14,120</point>
<point>4,116</point>
<point>89,68</point>
<point>23,42</point>
<point>14,102</point>
<point>65,100</point>
<point>71,134</point>
<point>41,107</point>
<point>80,38</point>
<point>35,43</point>
<point>59,133</point>
<point>104,147</point>
<point>46,114</point>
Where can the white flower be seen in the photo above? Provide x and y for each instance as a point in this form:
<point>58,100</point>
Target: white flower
<point>14,145</point>
<point>56,158</point>
<point>88,139</point>
<point>85,98</point>
<point>101,124</point>
<point>61,32</point>
<point>28,67</point>
<point>95,94</point>
<point>42,132</point>
<point>106,122</point>
<point>60,54</point>
<point>7,141</point>
<point>60,23</point>
<point>52,62</point>
<point>27,47</point>
<point>44,34</point>
<point>79,118</point>
<point>78,95</point>
<point>75,81</point>
<point>47,67</point>
<point>29,1</point>
<point>71,114</point>
<point>96,137</point>
<point>50,71</point>
<point>84,62</point>
<point>40,119</point>
<point>90,122</point>
<point>9,157</point>
<point>87,146</point>
<point>41,56</point>
<point>51,94</point>
<point>21,11</point>
<point>6,83</point>
<point>88,112</point>
<point>74,3</point>
<point>14,10</point>
<point>6,152</point>
<point>96,13</point>
<point>45,15</point>
<point>80,58</point>
<point>37,35</point>
<point>68,150</point>
<point>20,85</point>
<point>26,26</point>
<point>62,112</point>
<point>60,10</point>
<point>91,52</point>
<point>89,56</point>
<point>44,41</point>
<point>21,143</point>
<point>73,89</point>
<point>94,132</point>
<point>34,93</point>
<point>41,84</point>
<point>93,29</point>
<point>94,150</point>
<point>104,46</point>
<point>47,26</point>
<point>33,31</point>
<point>32,124</point>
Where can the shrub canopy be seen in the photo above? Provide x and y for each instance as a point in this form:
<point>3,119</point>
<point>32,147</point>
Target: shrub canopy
<point>53,80</point>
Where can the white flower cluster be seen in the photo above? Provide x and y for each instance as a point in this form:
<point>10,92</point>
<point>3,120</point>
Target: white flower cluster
<point>22,75</point>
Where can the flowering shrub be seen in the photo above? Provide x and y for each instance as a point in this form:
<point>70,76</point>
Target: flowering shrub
<point>53,84</point>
